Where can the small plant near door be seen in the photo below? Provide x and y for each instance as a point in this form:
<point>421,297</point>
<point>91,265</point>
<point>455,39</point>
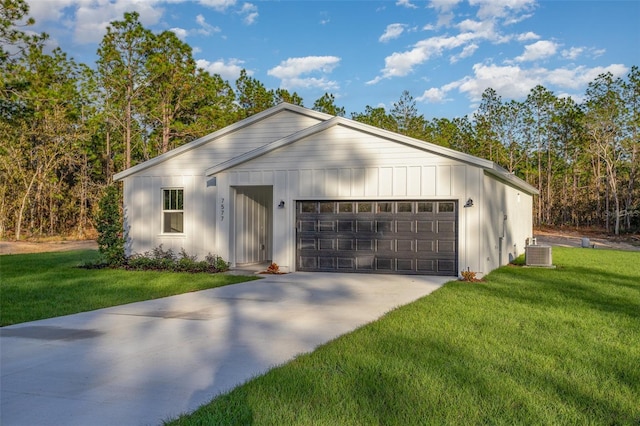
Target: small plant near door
<point>273,269</point>
<point>469,276</point>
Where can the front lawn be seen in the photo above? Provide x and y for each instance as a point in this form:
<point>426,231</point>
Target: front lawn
<point>45,285</point>
<point>527,346</point>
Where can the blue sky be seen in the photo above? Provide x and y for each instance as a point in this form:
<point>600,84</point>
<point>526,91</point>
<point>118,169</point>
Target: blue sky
<point>366,53</point>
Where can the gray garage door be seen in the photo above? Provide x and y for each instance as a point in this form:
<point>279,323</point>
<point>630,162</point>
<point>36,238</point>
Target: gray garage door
<point>401,237</point>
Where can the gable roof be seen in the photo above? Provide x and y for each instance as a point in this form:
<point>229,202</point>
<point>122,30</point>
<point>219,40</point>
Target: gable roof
<point>489,166</point>
<point>219,133</point>
<point>327,121</point>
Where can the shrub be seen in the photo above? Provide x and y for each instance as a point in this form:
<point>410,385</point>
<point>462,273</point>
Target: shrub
<point>110,227</point>
<point>469,276</point>
<point>159,259</point>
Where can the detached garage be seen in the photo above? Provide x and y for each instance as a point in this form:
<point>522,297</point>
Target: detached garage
<point>314,192</point>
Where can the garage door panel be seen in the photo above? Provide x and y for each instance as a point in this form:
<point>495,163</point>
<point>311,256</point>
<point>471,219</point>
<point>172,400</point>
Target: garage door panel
<point>404,265</point>
<point>364,245</point>
<point>327,263</point>
<point>446,266</point>
<point>364,226</point>
<point>406,246</point>
<point>426,246</point>
<point>346,244</point>
<point>307,225</point>
<point>384,225</point>
<point>307,244</point>
<point>346,263</point>
<point>326,226</point>
<point>384,245</point>
<point>346,226</point>
<point>426,266</point>
<point>384,264</point>
<point>364,263</point>
<point>405,226</point>
<point>424,226</point>
<point>326,244</point>
<point>446,246</point>
<point>446,226</point>
<point>407,237</point>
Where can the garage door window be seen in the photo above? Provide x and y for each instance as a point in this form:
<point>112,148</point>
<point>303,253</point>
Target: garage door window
<point>384,207</point>
<point>345,207</point>
<point>445,207</point>
<point>365,207</point>
<point>405,207</point>
<point>425,207</point>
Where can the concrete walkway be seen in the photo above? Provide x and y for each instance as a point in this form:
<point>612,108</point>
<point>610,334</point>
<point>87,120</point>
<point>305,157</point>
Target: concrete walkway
<point>146,362</point>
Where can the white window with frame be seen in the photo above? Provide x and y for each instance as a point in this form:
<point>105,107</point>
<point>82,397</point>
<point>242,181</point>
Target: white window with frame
<point>173,211</point>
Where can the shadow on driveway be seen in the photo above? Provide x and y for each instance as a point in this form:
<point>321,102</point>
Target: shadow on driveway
<point>145,362</point>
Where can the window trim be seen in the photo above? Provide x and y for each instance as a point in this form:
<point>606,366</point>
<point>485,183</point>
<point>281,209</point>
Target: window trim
<point>165,211</point>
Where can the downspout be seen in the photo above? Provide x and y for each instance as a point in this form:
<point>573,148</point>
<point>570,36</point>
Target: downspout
<point>501,239</point>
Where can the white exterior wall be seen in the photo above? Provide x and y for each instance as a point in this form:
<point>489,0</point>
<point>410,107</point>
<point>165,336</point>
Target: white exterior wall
<point>342,163</point>
<point>338,163</point>
<point>143,190</point>
<point>507,222</point>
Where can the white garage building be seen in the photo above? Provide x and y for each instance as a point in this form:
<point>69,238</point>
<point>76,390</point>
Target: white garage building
<point>314,192</point>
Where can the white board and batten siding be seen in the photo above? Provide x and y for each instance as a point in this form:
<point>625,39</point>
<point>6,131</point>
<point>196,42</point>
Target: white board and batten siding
<point>236,177</point>
<point>341,163</point>
<point>143,189</point>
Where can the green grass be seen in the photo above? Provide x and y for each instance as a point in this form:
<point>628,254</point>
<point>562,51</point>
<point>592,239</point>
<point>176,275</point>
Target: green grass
<point>45,285</point>
<point>527,346</point>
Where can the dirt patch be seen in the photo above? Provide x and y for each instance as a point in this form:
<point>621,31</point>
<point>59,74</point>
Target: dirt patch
<point>21,247</point>
<point>595,239</point>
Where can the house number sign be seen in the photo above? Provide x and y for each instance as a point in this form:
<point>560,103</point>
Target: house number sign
<point>222,210</point>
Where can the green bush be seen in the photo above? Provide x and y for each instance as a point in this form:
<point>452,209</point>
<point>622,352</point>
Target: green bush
<point>159,259</point>
<point>110,227</point>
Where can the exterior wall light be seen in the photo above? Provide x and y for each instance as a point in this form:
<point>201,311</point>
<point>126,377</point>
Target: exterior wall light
<point>469,203</point>
<point>281,205</point>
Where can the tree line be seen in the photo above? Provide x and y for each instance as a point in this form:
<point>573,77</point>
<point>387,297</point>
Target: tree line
<point>66,128</point>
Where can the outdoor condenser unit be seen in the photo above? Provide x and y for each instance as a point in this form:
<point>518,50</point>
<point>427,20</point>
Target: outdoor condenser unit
<point>538,255</point>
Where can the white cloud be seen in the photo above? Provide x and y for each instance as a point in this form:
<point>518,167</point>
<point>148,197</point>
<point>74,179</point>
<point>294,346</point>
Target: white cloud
<point>290,72</point>
<point>250,12</point>
<point>400,64</point>
<point>406,3</point>
<point>51,10</point>
<point>510,11</point>
<point>205,27</point>
<point>295,66</point>
<point>393,31</point>
<point>181,33</point>
<point>92,17</point>
<point>467,51</point>
<point>219,5</point>
<point>229,70</point>
<point>572,53</point>
<point>443,6</point>
<point>433,96</point>
<point>527,36</point>
<point>514,82</point>
<point>538,50</point>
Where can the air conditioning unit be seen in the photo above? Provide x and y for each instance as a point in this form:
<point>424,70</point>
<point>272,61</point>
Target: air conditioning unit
<point>538,255</point>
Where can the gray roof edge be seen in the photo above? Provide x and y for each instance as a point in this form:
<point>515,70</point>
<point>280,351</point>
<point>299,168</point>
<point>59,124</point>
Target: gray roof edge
<point>512,179</point>
<point>283,106</point>
<point>487,165</point>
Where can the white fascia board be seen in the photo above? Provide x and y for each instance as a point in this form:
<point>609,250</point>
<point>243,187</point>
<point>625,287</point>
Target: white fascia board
<point>217,134</point>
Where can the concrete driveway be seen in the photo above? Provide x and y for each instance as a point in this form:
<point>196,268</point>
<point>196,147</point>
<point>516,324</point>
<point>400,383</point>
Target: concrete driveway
<point>146,362</point>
